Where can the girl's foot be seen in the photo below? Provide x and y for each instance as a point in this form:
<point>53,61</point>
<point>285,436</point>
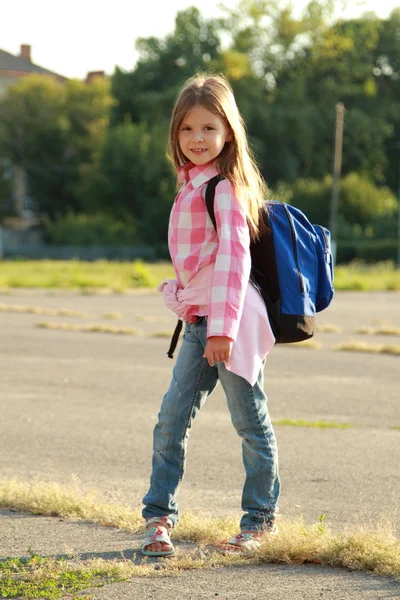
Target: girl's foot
<point>246,541</point>
<point>157,541</point>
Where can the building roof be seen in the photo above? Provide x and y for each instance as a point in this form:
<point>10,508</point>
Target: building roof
<point>9,62</point>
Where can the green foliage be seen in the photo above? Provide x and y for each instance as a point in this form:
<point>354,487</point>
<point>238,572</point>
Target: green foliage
<point>309,195</point>
<point>6,189</point>
<point>370,251</point>
<point>361,201</point>
<point>133,178</point>
<point>147,93</point>
<point>101,148</point>
<point>51,130</point>
<point>306,66</point>
<point>95,229</point>
<point>362,205</point>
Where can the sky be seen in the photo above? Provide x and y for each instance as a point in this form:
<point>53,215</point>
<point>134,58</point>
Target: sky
<point>75,37</point>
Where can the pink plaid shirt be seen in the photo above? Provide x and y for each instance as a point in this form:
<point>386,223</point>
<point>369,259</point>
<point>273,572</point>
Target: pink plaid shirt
<point>194,244</point>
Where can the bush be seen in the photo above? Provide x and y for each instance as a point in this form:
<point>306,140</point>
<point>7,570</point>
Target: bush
<point>370,251</point>
<point>309,195</point>
<point>362,202</point>
<point>363,207</point>
<point>90,230</point>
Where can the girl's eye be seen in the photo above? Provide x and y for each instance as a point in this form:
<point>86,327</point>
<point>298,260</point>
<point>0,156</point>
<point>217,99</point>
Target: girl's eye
<point>209,128</point>
<point>185,128</point>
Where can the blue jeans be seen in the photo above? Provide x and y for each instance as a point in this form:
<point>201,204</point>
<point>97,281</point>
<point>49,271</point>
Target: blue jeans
<point>193,380</point>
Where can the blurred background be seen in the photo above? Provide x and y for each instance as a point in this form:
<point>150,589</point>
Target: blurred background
<point>86,96</point>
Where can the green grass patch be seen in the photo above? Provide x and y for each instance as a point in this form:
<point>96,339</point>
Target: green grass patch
<point>315,424</point>
<point>365,277</point>
<point>41,577</point>
<point>76,274</point>
<point>355,346</point>
<point>113,276</point>
<point>395,427</point>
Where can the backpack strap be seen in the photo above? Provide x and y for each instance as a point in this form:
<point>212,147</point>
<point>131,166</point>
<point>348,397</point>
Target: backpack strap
<point>175,338</point>
<point>210,193</point>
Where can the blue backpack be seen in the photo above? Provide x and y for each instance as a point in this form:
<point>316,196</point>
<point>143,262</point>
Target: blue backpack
<point>292,267</point>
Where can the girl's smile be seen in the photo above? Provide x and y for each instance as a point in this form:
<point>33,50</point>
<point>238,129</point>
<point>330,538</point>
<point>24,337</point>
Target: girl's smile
<point>202,135</point>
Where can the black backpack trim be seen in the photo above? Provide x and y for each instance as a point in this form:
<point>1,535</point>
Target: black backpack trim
<point>264,275</point>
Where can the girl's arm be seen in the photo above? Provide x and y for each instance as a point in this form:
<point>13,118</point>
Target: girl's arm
<point>232,266</point>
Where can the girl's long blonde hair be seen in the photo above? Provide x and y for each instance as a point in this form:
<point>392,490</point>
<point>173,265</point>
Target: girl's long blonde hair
<point>236,161</point>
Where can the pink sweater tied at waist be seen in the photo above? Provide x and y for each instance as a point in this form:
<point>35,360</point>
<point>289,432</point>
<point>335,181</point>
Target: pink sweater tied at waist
<point>254,339</point>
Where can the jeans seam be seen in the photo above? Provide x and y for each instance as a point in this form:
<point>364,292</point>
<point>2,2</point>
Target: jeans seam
<point>190,411</point>
<point>262,432</point>
<point>255,411</point>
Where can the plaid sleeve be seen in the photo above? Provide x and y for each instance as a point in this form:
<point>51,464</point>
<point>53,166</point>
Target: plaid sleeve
<point>232,266</point>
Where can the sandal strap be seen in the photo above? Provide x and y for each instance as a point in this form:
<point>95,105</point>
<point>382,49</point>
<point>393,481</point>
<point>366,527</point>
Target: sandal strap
<point>244,540</point>
<point>155,534</point>
<point>161,521</point>
<point>240,538</point>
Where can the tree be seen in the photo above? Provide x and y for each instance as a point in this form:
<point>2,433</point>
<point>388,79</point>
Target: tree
<point>147,93</point>
<point>50,130</point>
<point>133,180</point>
<point>301,67</point>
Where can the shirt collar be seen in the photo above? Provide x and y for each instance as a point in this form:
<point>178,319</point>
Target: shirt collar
<point>197,175</point>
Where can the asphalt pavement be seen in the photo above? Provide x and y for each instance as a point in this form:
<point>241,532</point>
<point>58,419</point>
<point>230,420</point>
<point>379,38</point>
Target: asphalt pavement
<point>84,404</point>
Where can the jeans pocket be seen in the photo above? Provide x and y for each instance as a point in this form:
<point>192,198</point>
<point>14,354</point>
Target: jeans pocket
<point>189,333</point>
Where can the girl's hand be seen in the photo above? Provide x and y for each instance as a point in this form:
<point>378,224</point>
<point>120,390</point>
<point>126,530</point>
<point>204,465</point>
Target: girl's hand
<point>218,349</point>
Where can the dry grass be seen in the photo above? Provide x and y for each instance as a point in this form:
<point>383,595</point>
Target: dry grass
<point>151,319</point>
<point>364,549</point>
<point>355,346</point>
<point>112,315</point>
<point>315,424</point>
<point>380,322</point>
<point>383,330</point>
<point>46,498</point>
<point>168,333</point>
<point>90,328</point>
<point>37,310</point>
<point>357,549</point>
<point>328,328</point>
<point>307,344</point>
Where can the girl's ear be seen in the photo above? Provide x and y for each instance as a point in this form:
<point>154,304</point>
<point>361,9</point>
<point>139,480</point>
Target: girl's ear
<point>229,136</point>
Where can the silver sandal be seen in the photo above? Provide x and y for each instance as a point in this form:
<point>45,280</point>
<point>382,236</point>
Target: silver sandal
<point>156,534</point>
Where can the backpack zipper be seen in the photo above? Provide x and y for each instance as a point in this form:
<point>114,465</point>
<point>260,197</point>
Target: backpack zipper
<point>327,247</point>
<point>296,258</point>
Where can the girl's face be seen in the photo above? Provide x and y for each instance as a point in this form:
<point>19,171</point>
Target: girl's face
<point>202,135</point>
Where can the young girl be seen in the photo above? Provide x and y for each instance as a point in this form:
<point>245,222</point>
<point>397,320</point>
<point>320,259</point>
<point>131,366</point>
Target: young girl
<point>227,332</point>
